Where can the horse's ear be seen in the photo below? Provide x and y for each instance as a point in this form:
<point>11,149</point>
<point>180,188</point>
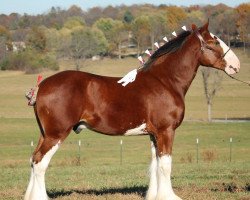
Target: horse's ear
<point>205,27</point>
<point>194,27</point>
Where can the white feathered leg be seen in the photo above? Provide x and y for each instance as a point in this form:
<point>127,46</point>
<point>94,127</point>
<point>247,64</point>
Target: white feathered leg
<point>28,191</point>
<point>152,190</point>
<point>165,191</point>
<point>36,189</point>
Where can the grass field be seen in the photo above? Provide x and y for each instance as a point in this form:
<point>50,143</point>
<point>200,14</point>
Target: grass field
<point>100,175</point>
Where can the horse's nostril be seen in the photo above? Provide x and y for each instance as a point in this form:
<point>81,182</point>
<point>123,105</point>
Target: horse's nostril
<point>234,68</point>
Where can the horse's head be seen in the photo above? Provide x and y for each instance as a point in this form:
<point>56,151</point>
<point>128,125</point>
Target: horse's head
<point>215,53</point>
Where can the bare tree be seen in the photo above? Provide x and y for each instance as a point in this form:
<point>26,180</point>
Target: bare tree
<point>86,43</point>
<point>141,32</point>
<point>2,48</point>
<point>158,27</point>
<point>212,81</point>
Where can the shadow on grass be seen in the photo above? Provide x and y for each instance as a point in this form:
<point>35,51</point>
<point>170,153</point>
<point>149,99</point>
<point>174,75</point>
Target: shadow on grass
<point>139,190</point>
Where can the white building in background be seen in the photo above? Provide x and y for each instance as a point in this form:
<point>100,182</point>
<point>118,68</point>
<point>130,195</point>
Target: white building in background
<point>16,46</point>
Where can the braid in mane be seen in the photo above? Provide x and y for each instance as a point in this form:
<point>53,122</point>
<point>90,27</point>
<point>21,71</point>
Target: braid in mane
<point>170,47</point>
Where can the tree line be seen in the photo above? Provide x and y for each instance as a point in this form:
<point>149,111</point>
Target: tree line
<point>110,31</point>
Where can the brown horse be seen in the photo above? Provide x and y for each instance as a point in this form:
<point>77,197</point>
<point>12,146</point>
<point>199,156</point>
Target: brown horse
<point>152,105</point>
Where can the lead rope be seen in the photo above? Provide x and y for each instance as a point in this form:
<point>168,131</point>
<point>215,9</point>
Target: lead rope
<point>248,83</point>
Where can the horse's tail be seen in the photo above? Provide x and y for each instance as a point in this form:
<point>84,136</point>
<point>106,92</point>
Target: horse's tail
<point>31,94</point>
<point>38,121</point>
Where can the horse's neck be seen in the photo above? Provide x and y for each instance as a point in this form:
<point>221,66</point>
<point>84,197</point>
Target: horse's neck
<point>178,69</point>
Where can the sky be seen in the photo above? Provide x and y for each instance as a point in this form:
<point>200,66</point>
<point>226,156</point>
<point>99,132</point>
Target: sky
<point>43,6</point>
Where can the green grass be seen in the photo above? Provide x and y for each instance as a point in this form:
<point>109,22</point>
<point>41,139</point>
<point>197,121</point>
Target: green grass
<point>100,175</point>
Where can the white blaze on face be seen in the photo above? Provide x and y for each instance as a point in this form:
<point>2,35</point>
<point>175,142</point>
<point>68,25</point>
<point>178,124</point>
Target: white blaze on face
<point>233,63</point>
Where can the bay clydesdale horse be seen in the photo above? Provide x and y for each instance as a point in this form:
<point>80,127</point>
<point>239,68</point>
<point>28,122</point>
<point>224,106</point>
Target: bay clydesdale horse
<point>151,105</point>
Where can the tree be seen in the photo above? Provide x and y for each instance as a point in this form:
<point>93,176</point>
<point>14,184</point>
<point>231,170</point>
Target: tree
<point>215,14</point>
<point>114,31</point>
<point>36,39</point>
<point>64,42</point>
<point>19,34</point>
<point>86,43</point>
<point>102,43</point>
<point>128,17</point>
<point>175,16</point>
<point>13,21</point>
<point>24,21</point>
<point>119,35</point>
<point>93,15</point>
<point>211,81</point>
<point>141,32</point>
<point>243,21</point>
<point>6,41</point>
<point>55,18</point>
<point>157,26</point>
<point>105,25</point>
<point>3,50</point>
<point>4,32</point>
<point>229,29</point>
<point>74,11</point>
<point>53,38</point>
<point>195,17</point>
<point>110,12</point>
<point>73,22</point>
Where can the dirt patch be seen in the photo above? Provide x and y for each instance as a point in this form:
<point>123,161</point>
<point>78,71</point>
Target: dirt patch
<point>231,187</point>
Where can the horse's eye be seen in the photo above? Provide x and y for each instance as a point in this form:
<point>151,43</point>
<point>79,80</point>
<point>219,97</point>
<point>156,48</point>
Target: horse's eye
<point>217,42</point>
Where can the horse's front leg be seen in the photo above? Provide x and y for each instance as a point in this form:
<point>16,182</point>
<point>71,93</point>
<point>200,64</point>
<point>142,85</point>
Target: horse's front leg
<point>152,189</point>
<point>164,157</point>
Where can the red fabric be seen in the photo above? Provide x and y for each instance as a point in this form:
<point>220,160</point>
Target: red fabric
<point>39,79</point>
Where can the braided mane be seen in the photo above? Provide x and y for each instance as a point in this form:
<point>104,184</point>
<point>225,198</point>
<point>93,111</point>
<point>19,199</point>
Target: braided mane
<point>170,47</point>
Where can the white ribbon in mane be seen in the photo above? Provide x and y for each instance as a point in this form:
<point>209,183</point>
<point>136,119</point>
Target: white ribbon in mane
<point>129,78</point>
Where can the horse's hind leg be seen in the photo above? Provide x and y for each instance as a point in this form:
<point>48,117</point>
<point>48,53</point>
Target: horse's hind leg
<point>41,139</point>
<point>40,161</point>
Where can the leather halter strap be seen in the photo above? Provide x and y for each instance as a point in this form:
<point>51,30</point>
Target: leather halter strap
<point>203,42</point>
<point>205,45</point>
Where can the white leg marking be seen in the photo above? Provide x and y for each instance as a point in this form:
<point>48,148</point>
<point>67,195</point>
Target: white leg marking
<point>152,190</point>
<point>36,188</point>
<point>165,191</point>
<point>140,130</point>
<point>31,182</point>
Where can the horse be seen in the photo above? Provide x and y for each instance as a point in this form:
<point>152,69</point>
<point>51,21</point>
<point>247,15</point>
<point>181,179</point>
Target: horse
<point>151,105</point>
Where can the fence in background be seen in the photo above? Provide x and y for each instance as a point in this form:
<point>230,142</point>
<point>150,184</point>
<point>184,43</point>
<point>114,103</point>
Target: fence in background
<point>207,155</point>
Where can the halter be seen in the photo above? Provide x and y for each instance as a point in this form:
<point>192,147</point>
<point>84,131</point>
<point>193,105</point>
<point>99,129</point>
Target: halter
<point>205,45</point>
